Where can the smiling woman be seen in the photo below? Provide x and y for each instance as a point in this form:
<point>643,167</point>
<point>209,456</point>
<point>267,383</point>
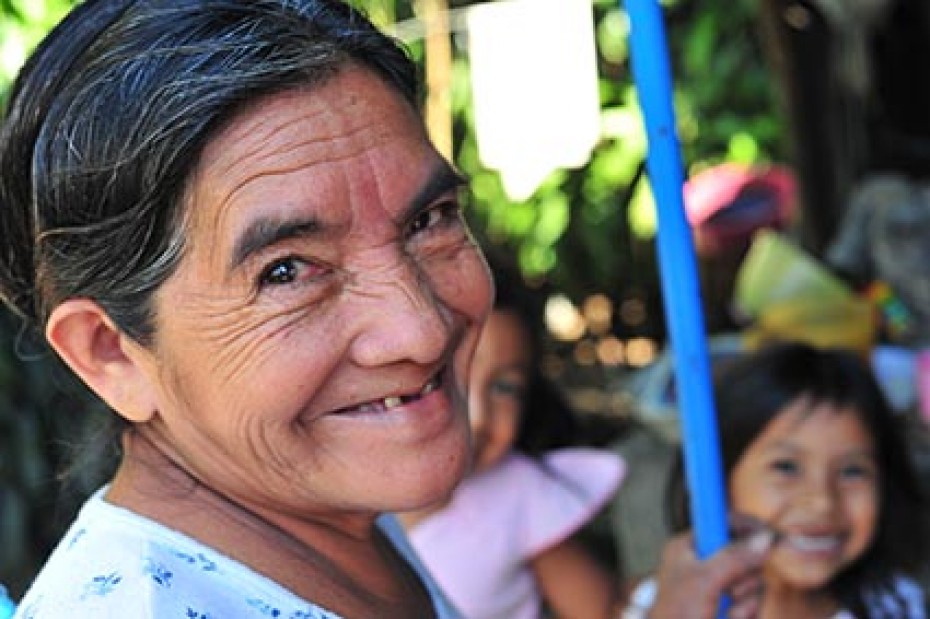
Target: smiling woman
<point>229,222</point>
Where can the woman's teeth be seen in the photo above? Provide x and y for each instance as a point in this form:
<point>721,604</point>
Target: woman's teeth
<point>394,401</point>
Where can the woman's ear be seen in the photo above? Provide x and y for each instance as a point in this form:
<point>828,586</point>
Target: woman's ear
<point>106,359</point>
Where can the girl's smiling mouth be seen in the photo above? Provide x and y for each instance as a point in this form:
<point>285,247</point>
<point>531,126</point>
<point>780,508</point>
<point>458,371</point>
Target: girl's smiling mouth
<point>814,543</point>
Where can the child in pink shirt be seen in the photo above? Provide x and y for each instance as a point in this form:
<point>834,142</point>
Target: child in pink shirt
<point>502,547</point>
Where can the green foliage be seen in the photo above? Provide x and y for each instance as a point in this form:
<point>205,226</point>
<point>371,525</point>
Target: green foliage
<point>606,215</point>
<point>23,23</point>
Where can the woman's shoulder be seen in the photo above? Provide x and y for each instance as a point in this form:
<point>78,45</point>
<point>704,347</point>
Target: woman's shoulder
<point>112,562</point>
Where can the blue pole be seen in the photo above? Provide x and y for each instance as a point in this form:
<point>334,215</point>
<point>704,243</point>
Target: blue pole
<point>7,608</point>
<point>680,286</point>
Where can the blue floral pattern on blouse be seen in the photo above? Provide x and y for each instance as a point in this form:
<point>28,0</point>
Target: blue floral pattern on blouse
<point>116,564</point>
<point>101,585</point>
<point>113,563</point>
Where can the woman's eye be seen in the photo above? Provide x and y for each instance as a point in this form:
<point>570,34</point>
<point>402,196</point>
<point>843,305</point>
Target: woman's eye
<point>282,272</point>
<point>437,216</point>
<point>285,271</point>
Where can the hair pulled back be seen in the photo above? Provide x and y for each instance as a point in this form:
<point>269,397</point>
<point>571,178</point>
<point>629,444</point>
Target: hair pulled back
<point>108,118</point>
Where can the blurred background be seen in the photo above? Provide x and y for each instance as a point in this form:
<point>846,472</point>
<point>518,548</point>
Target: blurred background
<point>805,137</point>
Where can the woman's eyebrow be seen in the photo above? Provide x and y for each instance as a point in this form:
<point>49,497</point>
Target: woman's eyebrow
<point>265,232</point>
<point>444,178</point>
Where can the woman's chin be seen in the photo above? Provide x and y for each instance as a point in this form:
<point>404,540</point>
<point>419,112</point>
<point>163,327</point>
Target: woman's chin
<point>435,480</point>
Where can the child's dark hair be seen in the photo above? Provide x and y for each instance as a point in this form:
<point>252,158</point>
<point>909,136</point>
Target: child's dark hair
<point>553,423</point>
<point>753,389</point>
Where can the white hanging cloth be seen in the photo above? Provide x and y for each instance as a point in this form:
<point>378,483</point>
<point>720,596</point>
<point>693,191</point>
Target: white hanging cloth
<point>534,82</point>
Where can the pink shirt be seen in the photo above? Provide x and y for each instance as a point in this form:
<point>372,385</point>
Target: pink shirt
<point>478,547</point>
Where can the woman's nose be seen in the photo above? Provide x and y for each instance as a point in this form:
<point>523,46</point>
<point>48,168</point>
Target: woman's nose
<point>401,319</point>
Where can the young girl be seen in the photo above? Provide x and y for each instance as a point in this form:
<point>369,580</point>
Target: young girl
<point>810,449</point>
<point>502,546</point>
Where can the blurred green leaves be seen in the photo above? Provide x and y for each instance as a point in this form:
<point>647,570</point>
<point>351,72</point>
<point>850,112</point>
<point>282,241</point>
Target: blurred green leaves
<point>23,23</point>
<point>726,110</point>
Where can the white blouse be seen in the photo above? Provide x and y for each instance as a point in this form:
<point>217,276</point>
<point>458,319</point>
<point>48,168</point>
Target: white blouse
<point>115,563</point>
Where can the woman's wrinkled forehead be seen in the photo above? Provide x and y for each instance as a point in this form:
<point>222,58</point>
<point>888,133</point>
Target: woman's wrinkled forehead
<point>306,160</point>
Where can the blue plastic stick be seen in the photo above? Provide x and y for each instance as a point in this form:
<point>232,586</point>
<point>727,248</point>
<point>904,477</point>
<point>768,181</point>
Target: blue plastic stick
<point>7,608</point>
<point>680,286</point>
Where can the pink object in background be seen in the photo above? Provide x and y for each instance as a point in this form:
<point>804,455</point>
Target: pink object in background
<point>728,203</point>
<point>923,383</point>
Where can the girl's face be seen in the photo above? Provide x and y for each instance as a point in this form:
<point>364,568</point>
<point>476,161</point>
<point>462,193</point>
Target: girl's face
<point>812,475</point>
<point>498,380</point>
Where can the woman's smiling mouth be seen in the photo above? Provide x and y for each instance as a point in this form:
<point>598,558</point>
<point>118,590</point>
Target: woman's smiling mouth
<point>394,401</point>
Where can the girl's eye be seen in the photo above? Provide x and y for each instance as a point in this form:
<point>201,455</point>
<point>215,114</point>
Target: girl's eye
<point>785,467</point>
<point>507,388</point>
<point>856,471</point>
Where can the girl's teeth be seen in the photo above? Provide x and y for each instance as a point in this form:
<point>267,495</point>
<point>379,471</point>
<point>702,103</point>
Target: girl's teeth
<point>814,544</point>
<point>393,402</point>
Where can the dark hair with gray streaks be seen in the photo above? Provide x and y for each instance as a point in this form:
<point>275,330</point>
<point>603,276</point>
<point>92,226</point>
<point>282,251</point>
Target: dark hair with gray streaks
<point>108,119</point>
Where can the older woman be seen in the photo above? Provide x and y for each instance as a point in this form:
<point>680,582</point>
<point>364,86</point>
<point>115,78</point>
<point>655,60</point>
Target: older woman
<point>228,220</point>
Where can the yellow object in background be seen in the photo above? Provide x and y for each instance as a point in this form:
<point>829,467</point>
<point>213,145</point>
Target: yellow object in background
<point>776,270</point>
<point>789,294</point>
<point>846,323</point>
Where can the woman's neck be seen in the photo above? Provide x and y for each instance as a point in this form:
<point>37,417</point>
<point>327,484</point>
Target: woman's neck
<point>412,518</point>
<point>351,569</point>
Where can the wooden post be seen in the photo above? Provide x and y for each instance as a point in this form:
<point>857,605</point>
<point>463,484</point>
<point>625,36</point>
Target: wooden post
<point>435,16</point>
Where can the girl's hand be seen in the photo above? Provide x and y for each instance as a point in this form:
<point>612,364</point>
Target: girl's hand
<point>689,588</point>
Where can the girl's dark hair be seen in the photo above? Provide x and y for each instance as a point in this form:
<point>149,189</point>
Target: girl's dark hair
<point>548,421</point>
<point>752,390</point>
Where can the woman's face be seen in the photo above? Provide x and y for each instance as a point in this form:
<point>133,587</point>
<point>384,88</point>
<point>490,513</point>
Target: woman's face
<point>312,349</point>
<point>500,375</point>
<point>812,475</point>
